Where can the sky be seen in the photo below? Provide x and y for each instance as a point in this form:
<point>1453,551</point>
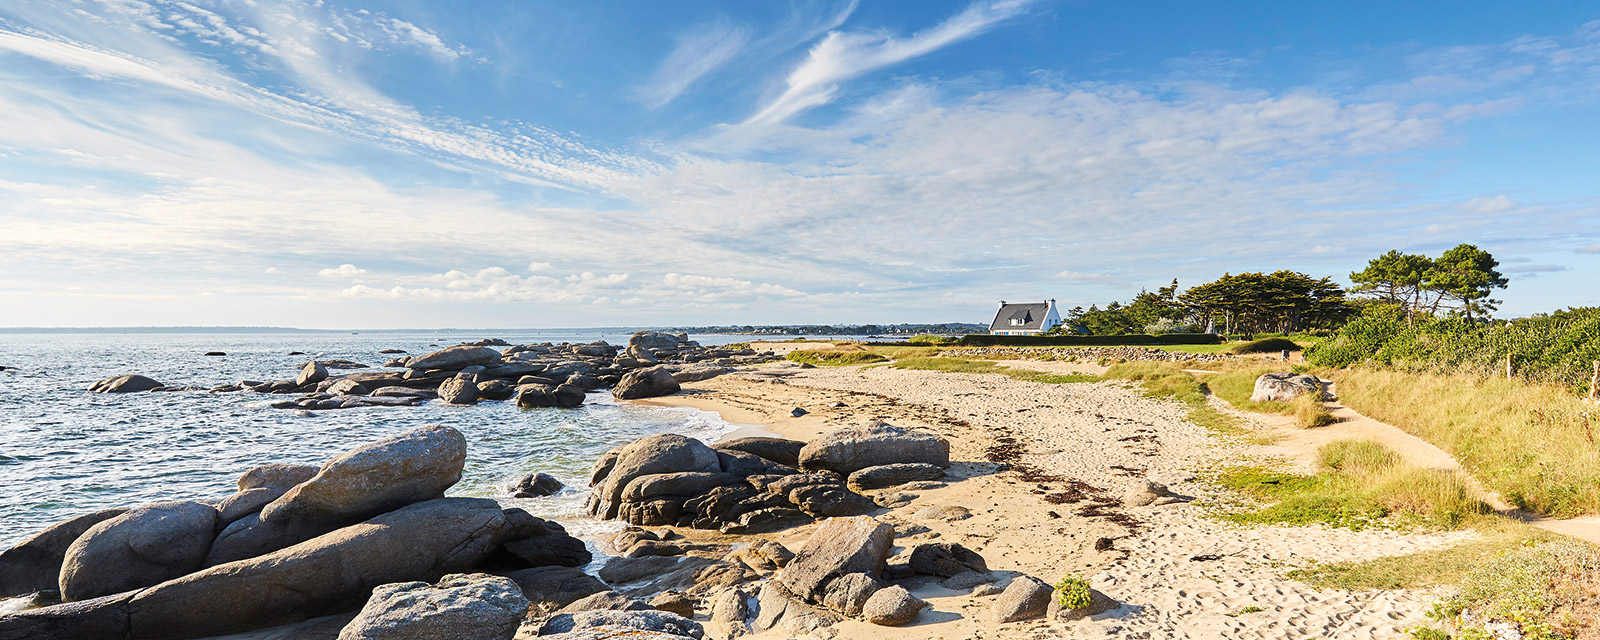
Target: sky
<point>530,163</point>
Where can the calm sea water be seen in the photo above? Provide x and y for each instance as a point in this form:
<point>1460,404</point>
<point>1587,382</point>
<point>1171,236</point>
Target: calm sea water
<point>65,451</point>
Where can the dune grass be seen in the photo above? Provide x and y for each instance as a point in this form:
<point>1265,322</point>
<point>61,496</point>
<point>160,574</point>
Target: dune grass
<point>1310,412</point>
<point>1360,484</point>
<point>963,365</point>
<point>1538,446</point>
<point>837,357</point>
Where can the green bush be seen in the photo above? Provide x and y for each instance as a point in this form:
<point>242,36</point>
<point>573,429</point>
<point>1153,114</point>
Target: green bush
<point>1266,345</point>
<point>1558,349</point>
<point>985,340</point>
<point>1073,593</point>
<point>933,339</point>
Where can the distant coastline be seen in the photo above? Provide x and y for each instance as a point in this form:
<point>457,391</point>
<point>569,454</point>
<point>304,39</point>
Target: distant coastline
<point>754,330</point>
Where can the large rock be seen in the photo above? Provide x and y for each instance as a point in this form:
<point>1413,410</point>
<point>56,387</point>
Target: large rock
<point>848,593</point>
<point>840,546</point>
<point>699,372</point>
<point>1025,598</point>
<point>35,564</point>
<point>889,475</point>
<point>892,607</point>
<point>780,450</point>
<point>459,390</point>
<point>945,559</point>
<point>459,607</point>
<point>777,608</point>
<point>631,625</point>
<point>124,384</point>
<point>325,575</point>
<point>662,453</point>
<point>1285,386</point>
<point>140,548</point>
<point>536,485</point>
<point>654,341</point>
<point>258,487</point>
<point>312,373</point>
<point>646,383</point>
<point>456,358</point>
<point>847,451</point>
<point>551,588</point>
<point>413,466</point>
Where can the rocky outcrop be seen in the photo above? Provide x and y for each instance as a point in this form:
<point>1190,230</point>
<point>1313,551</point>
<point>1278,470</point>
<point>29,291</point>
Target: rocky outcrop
<point>35,564</point>
<point>459,607</point>
<point>780,450</point>
<point>646,383</point>
<point>551,588</point>
<point>410,467</point>
<point>125,384</point>
<point>838,547</point>
<point>602,624</point>
<point>1285,386</point>
<point>258,487</point>
<point>847,451</point>
<point>331,573</point>
<point>700,372</point>
<point>455,358</point>
<point>312,373</point>
<point>140,548</point>
<point>659,454</point>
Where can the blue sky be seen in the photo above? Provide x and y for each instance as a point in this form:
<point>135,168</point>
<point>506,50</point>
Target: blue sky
<point>500,164</point>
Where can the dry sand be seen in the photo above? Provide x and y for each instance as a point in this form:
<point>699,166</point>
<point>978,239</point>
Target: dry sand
<point>1040,466</point>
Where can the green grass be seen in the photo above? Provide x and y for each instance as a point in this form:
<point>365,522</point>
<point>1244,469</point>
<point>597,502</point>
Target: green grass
<point>1167,380</point>
<point>963,365</point>
<point>1360,485</point>
<point>1536,445</point>
<point>835,357</point>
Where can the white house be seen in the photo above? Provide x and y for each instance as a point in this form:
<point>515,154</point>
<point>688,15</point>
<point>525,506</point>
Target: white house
<point>1022,319</point>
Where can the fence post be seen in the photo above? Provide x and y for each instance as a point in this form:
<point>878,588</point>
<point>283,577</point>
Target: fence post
<point>1594,382</point>
<point>1508,366</point>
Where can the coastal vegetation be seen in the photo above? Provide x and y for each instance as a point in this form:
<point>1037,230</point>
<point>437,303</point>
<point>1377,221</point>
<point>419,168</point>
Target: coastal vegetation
<point>963,365</point>
<point>1282,301</point>
<point>836,356</point>
<point>1534,444</point>
<point>1359,484</point>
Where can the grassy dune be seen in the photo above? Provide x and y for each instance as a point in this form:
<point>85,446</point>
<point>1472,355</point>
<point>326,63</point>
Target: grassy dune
<point>963,365</point>
<point>1538,446</point>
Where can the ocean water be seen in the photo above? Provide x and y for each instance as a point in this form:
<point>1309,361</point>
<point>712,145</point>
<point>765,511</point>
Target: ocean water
<point>65,451</point>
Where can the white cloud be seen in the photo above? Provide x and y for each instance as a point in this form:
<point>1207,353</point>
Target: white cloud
<point>697,53</point>
<point>272,270</point>
<point>345,271</point>
<point>843,56</point>
<point>1498,204</point>
<point>1088,277</point>
<point>1593,248</point>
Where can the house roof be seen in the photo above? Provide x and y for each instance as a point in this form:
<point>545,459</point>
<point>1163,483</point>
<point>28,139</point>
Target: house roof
<point>1031,313</point>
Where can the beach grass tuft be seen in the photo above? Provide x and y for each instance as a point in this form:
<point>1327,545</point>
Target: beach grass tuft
<point>837,357</point>
<point>1310,412</point>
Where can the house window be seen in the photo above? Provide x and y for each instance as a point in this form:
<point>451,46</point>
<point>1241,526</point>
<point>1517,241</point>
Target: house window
<point>1016,322</point>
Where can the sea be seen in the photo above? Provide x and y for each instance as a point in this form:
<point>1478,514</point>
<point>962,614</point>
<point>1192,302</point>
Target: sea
<point>65,451</point>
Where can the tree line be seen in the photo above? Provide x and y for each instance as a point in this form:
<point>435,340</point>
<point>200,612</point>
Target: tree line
<point>1459,282</point>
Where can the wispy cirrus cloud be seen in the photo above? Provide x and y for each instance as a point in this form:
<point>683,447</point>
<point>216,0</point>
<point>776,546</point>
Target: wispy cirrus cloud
<point>842,56</point>
<point>699,52</point>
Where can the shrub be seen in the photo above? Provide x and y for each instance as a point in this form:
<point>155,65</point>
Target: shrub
<point>1266,345</point>
<point>982,340</point>
<point>1310,413</point>
<point>1164,326</point>
<point>1073,593</point>
<point>933,339</point>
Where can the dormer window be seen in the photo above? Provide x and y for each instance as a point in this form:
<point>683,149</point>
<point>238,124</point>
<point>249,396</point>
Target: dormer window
<point>1017,322</point>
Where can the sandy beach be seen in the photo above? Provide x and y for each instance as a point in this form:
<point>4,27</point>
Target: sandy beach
<point>1040,466</point>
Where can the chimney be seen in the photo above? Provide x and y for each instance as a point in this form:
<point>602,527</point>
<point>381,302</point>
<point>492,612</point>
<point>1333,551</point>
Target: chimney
<point>1002,304</point>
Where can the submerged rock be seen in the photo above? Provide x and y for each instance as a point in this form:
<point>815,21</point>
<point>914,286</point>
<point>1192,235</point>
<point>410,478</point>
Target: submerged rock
<point>536,485</point>
<point>125,384</point>
<point>455,358</point>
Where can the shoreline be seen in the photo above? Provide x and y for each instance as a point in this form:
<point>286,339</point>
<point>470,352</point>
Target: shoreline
<point>1072,437</point>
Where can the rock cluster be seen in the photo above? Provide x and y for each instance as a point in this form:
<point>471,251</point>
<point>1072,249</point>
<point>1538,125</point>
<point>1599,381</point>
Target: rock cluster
<point>534,375</point>
<point>295,542</point>
<point>753,485</point>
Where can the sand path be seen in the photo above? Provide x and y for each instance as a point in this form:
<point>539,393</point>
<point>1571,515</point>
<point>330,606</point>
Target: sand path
<point>1067,450</point>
